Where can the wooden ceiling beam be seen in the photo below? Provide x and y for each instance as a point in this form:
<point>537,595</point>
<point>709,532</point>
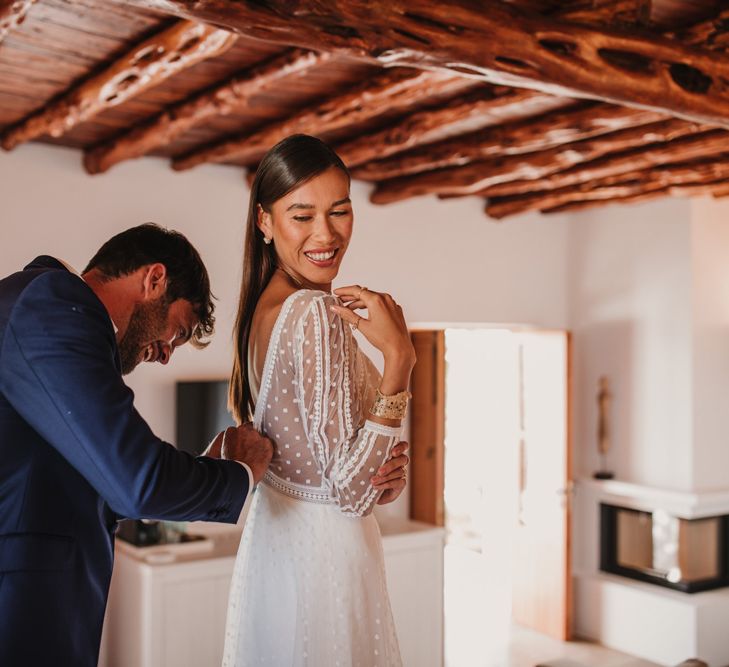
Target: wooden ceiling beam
<point>613,187</point>
<point>489,104</point>
<point>501,46</point>
<point>424,127</point>
<point>147,64</point>
<point>487,176</point>
<point>608,12</point>
<point>693,146</point>
<point>717,189</point>
<point>712,33</point>
<point>388,90</point>
<point>12,14</point>
<point>485,106</point>
<point>564,126</point>
<point>232,95</point>
<point>550,129</point>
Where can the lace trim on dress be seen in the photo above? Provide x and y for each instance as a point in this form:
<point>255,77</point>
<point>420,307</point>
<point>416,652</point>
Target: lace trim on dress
<point>296,490</point>
<point>347,393</point>
<point>351,466</point>
<point>316,431</point>
<point>381,429</point>
<point>268,364</point>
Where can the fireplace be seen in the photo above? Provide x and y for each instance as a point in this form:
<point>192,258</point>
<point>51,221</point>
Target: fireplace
<point>657,547</point>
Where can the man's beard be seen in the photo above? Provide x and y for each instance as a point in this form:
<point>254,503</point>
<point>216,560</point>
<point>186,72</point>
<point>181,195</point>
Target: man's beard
<point>147,324</point>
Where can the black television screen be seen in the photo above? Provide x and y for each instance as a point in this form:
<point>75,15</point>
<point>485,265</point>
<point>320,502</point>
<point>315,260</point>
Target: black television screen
<point>202,412</point>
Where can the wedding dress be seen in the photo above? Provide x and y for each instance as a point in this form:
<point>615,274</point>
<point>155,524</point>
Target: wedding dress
<point>308,585</point>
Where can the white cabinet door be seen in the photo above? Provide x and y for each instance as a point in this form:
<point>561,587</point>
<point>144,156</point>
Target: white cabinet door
<point>415,584</point>
<point>190,615</point>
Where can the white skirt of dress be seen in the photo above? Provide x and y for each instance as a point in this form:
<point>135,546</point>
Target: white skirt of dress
<point>308,589</point>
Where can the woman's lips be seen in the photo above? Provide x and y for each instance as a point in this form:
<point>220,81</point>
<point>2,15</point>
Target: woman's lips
<point>322,258</point>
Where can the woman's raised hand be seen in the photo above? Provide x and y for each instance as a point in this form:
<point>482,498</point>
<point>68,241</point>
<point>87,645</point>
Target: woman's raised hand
<point>385,328</point>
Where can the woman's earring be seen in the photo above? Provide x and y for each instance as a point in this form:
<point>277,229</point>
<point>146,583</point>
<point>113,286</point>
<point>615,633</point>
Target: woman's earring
<point>266,240</point>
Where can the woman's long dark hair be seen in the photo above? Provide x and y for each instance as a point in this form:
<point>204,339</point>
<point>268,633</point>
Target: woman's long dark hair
<point>289,164</point>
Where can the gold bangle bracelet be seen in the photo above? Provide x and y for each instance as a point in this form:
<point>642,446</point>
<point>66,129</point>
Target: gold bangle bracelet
<point>391,407</point>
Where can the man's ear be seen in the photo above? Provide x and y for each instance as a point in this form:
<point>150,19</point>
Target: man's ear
<point>154,281</point>
<point>263,222</point>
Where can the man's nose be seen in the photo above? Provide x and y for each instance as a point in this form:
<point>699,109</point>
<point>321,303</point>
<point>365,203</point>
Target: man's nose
<point>165,353</point>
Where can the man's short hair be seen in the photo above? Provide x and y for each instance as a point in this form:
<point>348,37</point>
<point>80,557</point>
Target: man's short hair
<point>187,277</point>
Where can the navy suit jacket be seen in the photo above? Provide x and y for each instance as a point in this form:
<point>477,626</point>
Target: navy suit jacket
<point>75,457</point>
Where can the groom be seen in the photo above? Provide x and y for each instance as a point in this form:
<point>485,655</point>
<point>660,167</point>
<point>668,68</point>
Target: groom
<point>75,456</point>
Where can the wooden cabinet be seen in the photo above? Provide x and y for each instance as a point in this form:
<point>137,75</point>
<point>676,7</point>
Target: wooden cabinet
<point>172,614</point>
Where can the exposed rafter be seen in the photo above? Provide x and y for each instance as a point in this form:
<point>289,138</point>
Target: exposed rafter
<point>614,187</point>
<point>12,14</point>
<point>480,108</point>
<point>147,64</point>
<point>174,121</point>
<point>501,45</point>
<point>608,12</point>
<point>551,129</point>
<point>564,126</point>
<point>484,107</point>
<point>718,189</point>
<point>490,176</point>
<point>427,126</point>
<point>711,34</point>
<point>694,146</point>
<point>388,90</point>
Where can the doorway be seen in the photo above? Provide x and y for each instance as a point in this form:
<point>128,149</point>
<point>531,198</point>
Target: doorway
<point>490,443</point>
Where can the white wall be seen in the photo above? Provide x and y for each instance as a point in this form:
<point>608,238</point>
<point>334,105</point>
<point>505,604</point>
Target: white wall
<point>710,260</point>
<point>443,260</point>
<point>649,308</point>
<point>630,311</point>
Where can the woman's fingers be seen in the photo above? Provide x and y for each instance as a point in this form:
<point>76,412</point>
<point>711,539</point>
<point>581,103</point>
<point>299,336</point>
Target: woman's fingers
<point>397,473</point>
<point>392,464</point>
<point>400,448</point>
<point>357,293</point>
<point>349,292</point>
<point>392,491</point>
<point>397,459</point>
<point>398,483</point>
<point>349,317</point>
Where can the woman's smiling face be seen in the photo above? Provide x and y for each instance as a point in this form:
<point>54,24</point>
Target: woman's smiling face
<point>311,227</point>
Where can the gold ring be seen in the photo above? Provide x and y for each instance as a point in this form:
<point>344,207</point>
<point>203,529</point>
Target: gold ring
<point>359,295</point>
<point>355,326</point>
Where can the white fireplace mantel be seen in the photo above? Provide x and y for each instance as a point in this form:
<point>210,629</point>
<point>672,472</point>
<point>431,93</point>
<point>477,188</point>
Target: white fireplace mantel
<point>683,504</point>
<point>655,623</point>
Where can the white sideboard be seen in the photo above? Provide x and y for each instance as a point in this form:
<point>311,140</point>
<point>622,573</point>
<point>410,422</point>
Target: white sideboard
<point>171,612</point>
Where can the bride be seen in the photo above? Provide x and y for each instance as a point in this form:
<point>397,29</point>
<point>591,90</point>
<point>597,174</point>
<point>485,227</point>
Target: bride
<point>309,581</point>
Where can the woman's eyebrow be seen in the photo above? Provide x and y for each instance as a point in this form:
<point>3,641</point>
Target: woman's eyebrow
<point>298,206</point>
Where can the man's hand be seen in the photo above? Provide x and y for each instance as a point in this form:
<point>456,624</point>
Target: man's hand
<point>390,477</point>
<point>244,444</point>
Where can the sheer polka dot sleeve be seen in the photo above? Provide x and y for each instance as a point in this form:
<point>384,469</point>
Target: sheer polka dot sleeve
<point>335,387</point>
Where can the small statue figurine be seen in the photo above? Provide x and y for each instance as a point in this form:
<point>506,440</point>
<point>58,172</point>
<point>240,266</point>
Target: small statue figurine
<point>604,398</point>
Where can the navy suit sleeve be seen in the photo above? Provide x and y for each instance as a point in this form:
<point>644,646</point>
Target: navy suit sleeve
<point>58,370</point>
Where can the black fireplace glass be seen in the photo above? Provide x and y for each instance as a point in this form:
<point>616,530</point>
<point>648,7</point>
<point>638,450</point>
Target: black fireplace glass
<point>657,547</point>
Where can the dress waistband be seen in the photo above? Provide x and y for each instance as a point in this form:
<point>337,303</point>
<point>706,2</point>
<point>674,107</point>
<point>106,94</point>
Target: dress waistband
<point>297,491</point>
